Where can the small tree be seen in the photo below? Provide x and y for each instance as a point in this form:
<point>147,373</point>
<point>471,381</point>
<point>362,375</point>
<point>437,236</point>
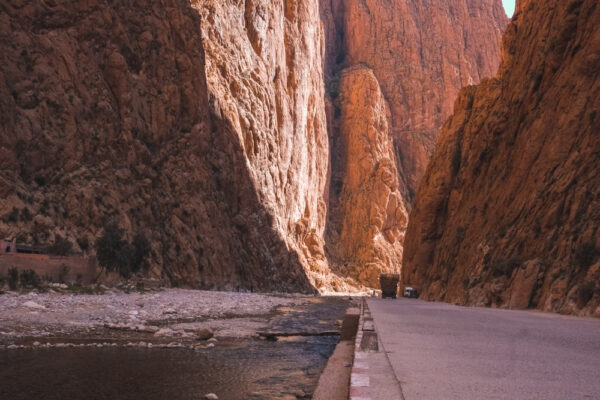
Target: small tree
<point>13,278</point>
<point>29,278</point>
<point>111,249</point>
<point>83,243</point>
<point>61,246</point>
<point>114,253</point>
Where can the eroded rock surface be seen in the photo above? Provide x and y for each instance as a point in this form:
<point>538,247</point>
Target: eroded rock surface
<point>211,137</point>
<point>265,80</point>
<point>105,115</point>
<point>370,210</point>
<point>419,56</point>
<point>508,212</point>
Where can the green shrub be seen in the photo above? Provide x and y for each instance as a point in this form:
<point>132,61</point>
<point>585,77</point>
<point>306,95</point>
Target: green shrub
<point>13,278</point>
<point>114,253</point>
<point>141,251</point>
<point>111,248</point>
<point>61,246</point>
<point>29,278</point>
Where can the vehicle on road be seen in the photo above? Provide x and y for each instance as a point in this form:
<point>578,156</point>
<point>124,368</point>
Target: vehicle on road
<point>410,292</point>
<point>389,285</point>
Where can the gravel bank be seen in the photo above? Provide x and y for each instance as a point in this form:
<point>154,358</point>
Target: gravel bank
<point>171,314</point>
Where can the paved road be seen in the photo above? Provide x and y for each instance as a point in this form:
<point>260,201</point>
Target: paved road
<point>441,351</point>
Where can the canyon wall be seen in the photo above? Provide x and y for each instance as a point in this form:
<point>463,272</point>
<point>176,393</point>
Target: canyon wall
<point>508,212</point>
<point>265,82</point>
<point>264,145</point>
<point>416,55</point>
<point>106,115</point>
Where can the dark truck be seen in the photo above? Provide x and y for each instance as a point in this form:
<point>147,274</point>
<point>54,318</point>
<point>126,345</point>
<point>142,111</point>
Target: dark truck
<point>389,285</point>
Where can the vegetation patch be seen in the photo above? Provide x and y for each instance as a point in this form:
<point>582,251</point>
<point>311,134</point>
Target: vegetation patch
<point>29,279</point>
<point>115,254</point>
<point>13,278</point>
<point>61,246</point>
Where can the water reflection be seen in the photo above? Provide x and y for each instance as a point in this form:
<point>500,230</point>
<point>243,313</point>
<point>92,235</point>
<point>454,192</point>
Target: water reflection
<point>249,369</point>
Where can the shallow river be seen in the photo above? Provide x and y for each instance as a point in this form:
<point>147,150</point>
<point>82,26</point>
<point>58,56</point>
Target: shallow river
<point>237,369</point>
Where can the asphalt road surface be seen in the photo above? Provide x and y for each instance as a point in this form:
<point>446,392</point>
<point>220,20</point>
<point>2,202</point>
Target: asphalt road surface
<point>441,351</point>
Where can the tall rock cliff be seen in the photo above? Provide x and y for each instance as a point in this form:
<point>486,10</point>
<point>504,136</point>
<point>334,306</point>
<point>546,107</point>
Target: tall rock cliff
<point>508,212</point>
<point>373,217</point>
<point>265,82</point>
<point>419,55</point>
<point>105,114</point>
<point>206,126</point>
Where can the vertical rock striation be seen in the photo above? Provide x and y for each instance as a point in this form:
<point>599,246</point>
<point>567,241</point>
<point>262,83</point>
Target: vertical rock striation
<point>265,82</point>
<point>422,54</point>
<point>419,56</point>
<point>215,136</point>
<point>105,115</point>
<point>508,212</point>
<point>370,208</point>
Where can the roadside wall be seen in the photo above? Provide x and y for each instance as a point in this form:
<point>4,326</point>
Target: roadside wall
<point>81,269</point>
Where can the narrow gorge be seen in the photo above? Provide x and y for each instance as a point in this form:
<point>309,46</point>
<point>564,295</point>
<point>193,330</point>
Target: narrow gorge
<point>392,71</point>
<point>232,133</point>
<point>279,145</point>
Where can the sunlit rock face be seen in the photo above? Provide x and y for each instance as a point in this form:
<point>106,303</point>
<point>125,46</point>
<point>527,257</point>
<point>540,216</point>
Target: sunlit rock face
<point>370,208</point>
<point>418,56</point>
<point>265,82</point>
<point>508,212</point>
<point>105,114</point>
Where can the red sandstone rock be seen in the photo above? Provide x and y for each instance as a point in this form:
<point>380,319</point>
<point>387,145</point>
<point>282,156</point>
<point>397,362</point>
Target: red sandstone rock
<point>105,114</point>
<point>422,54</point>
<point>419,56</point>
<point>265,81</point>
<point>112,110</point>
<point>370,210</point>
<point>508,212</point>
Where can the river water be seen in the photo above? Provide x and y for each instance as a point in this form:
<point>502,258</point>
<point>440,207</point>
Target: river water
<point>236,369</point>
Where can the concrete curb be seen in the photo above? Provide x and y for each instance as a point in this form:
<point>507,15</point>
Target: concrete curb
<point>372,376</point>
<point>359,378</point>
<point>334,382</point>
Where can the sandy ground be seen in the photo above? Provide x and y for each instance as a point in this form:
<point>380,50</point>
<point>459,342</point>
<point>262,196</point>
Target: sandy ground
<point>168,315</point>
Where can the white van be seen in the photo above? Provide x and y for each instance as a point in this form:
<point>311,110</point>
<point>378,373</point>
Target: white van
<point>410,292</point>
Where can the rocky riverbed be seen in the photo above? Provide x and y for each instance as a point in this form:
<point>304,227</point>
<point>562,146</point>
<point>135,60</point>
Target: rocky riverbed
<point>174,317</point>
<point>167,343</point>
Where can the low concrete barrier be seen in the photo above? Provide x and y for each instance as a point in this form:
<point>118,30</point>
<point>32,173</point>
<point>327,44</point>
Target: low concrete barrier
<point>79,269</point>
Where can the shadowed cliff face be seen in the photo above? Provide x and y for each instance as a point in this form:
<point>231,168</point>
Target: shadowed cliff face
<point>418,57</point>
<point>105,115</point>
<point>508,212</point>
